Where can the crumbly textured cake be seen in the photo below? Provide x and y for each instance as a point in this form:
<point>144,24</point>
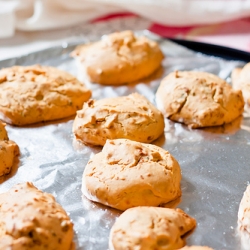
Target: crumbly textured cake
<point>128,174</point>
<point>198,99</point>
<point>118,58</point>
<point>8,151</point>
<point>241,80</point>
<point>37,93</point>
<point>32,220</point>
<point>150,228</point>
<point>131,117</point>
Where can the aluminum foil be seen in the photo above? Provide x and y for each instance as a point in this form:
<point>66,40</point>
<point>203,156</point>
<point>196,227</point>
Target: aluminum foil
<point>214,161</point>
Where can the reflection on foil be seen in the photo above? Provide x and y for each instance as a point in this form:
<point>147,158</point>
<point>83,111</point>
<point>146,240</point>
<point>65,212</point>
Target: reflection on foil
<point>99,218</point>
<point>156,75</point>
<point>172,204</point>
<point>160,141</point>
<point>229,128</point>
<point>214,161</point>
<point>84,148</point>
<point>177,132</point>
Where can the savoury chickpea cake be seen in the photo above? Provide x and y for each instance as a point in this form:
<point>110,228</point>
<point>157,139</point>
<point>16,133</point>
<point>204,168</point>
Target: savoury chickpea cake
<point>198,99</point>
<point>150,228</point>
<point>128,174</point>
<point>130,117</point>
<point>32,220</point>
<point>31,94</point>
<point>118,58</point>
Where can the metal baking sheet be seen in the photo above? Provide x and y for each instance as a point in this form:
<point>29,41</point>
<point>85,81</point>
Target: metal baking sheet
<point>214,161</point>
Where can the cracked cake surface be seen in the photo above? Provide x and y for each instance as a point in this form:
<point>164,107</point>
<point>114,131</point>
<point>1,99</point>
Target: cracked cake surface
<point>130,117</point>
<point>198,99</point>
<point>128,174</point>
<point>118,58</point>
<point>31,94</point>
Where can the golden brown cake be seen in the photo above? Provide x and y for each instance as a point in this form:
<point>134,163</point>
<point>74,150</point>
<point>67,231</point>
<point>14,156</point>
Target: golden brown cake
<point>118,58</point>
<point>128,174</point>
<point>37,93</point>
<point>130,117</point>
<point>33,220</point>
<point>150,228</point>
<point>198,99</point>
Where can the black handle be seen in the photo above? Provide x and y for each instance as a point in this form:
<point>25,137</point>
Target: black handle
<point>215,50</point>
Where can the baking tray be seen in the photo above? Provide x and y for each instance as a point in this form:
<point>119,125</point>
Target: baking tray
<point>214,161</point>
<point>214,50</point>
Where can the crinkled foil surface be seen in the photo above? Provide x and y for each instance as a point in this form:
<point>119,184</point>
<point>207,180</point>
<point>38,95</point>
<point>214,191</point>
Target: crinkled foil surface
<point>215,162</point>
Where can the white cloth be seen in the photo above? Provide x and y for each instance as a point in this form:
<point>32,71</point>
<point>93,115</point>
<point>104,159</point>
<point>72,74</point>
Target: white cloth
<point>49,14</point>
<point>23,43</point>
